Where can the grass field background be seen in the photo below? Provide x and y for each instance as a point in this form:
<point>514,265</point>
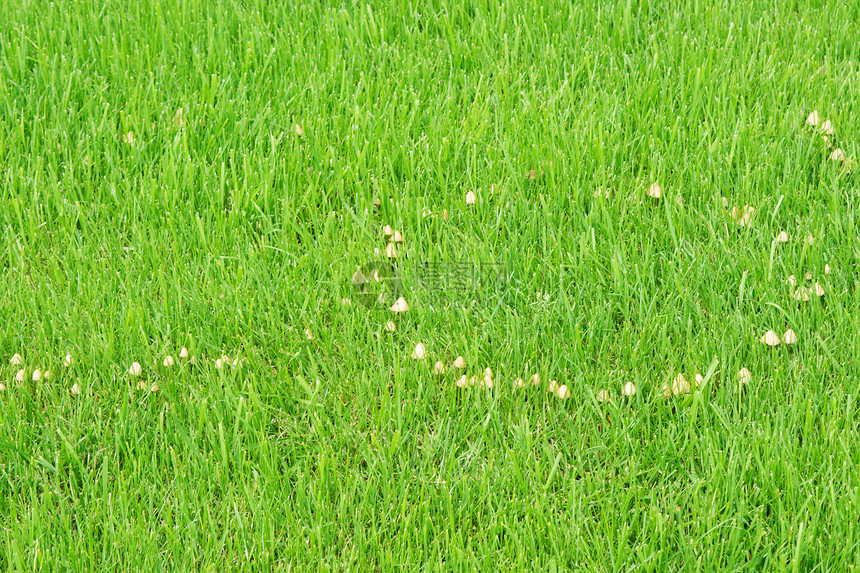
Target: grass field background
<point>210,175</point>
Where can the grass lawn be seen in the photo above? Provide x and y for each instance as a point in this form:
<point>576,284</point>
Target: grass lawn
<point>218,176</point>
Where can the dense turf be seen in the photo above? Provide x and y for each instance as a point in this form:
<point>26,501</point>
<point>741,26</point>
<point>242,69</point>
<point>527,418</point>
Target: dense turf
<point>211,175</point>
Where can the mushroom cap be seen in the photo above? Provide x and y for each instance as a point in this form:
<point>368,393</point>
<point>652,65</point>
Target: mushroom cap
<point>770,338</point>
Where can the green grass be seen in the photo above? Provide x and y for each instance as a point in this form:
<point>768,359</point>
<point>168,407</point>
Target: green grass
<point>222,229</point>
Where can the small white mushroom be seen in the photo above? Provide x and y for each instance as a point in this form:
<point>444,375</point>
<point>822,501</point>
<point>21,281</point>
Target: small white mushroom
<point>818,289</point>
<point>699,379</point>
<point>826,269</point>
<point>629,389</point>
<point>519,383</point>
<point>459,363</point>
<point>604,396</point>
<point>387,230</point>
<point>744,376</point>
<point>391,251</point>
<point>399,305</point>
<point>17,360</point>
<point>680,385</point>
<point>298,129</point>
<point>183,353</point>
<point>419,353</point>
<point>398,237</point>
<point>770,338</point>
<point>37,375</point>
<point>535,379</point>
<point>827,127</point>
<point>792,281</point>
<point>655,191</point>
<point>789,337</point>
<point>782,237</point>
<point>308,334</point>
<point>813,120</point>
<point>168,361</point>
<point>135,369</point>
<point>438,368</point>
<point>19,376</point>
<point>471,198</point>
<point>801,294</point>
<point>67,361</point>
<point>563,393</point>
<point>462,381</point>
<point>837,155</point>
<point>390,326</point>
<point>553,386</point>
<point>76,390</point>
<point>219,363</point>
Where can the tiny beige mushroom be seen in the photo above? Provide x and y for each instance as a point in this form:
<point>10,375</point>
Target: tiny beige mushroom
<point>827,127</point>
<point>2,387</point>
<point>154,388</point>
<point>801,294</point>
<point>699,379</point>
<point>827,269</point>
<point>459,363</point>
<point>680,385</point>
<point>183,353</point>
<point>742,216</point>
<point>519,383</point>
<point>19,376</point>
<point>813,119</point>
<point>535,379</point>
<point>298,129</point>
<point>168,361</point>
<point>387,230</point>
<point>48,375</point>
<point>419,353</point>
<point>604,396</point>
<point>309,334</point>
<point>67,361</point>
<point>391,251</point>
<point>135,369</point>
<point>439,368</point>
<point>744,376</point>
<point>837,155</point>
<point>219,363</point>
<point>629,389</point>
<point>563,393</point>
<point>792,281</point>
<point>553,386</point>
<point>76,390</point>
<point>471,198</point>
<point>390,326</point>
<point>782,237</point>
<point>399,305</point>
<point>809,276</point>
<point>818,289</point>
<point>770,338</point>
<point>789,337</point>
<point>463,381</point>
<point>398,237</point>
<point>17,360</point>
<point>37,375</point>
<point>655,191</point>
